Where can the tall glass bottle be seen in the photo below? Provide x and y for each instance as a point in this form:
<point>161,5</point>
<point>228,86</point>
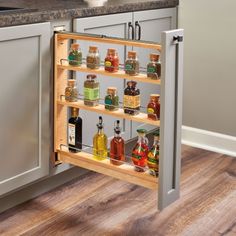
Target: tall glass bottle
<point>117,147</point>
<point>153,155</point>
<point>75,131</point>
<point>100,142</point>
<point>140,151</point>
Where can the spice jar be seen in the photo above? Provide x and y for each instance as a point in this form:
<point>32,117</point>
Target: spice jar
<point>93,58</point>
<point>91,91</point>
<point>111,99</point>
<point>71,92</point>
<point>140,151</point>
<point>131,99</point>
<point>154,67</point>
<point>153,107</point>
<point>111,63</point>
<point>132,64</point>
<point>75,55</point>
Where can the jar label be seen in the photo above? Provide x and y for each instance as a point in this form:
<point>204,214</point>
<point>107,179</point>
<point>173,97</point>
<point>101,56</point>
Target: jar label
<point>151,69</point>
<point>131,101</point>
<point>108,101</point>
<point>71,134</point>
<point>108,64</point>
<point>91,93</point>
<point>128,67</point>
<point>150,111</point>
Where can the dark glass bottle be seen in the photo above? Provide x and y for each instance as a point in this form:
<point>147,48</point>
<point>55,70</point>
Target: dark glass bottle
<point>117,147</point>
<point>153,155</point>
<point>75,131</point>
<point>131,99</point>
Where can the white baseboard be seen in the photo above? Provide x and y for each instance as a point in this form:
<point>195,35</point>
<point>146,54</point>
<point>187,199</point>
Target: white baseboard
<point>208,140</point>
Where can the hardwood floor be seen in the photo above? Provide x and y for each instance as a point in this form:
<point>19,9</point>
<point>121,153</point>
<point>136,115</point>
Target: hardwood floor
<point>99,205</point>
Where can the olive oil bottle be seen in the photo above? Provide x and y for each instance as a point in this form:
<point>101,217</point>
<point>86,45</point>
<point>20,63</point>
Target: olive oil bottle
<point>75,131</point>
<point>100,142</point>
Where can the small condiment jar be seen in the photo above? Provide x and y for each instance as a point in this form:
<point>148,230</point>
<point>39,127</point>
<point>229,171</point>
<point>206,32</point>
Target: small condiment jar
<point>93,58</point>
<point>75,55</point>
<point>153,107</point>
<point>71,92</point>
<point>111,63</point>
<point>132,64</point>
<point>154,67</point>
<point>91,91</point>
<point>111,99</point>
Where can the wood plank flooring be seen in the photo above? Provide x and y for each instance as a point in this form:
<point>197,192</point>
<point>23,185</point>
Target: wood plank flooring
<point>97,205</point>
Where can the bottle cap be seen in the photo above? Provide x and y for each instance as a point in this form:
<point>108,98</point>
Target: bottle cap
<point>75,46</point>
<point>74,112</point>
<point>132,54</point>
<point>117,127</point>
<point>134,83</point>
<point>154,57</point>
<point>71,82</point>
<point>93,48</point>
<point>142,131</point>
<point>100,123</point>
<point>91,76</point>
<point>129,83</point>
<point>111,90</point>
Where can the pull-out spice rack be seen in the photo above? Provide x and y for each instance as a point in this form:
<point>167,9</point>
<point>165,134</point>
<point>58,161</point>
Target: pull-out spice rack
<point>170,84</point>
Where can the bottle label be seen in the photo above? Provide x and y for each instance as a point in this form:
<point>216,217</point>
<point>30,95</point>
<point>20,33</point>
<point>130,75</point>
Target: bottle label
<point>91,93</point>
<point>71,134</point>
<point>108,64</point>
<point>108,101</point>
<point>128,67</point>
<point>151,69</point>
<point>131,101</point>
<point>150,111</point>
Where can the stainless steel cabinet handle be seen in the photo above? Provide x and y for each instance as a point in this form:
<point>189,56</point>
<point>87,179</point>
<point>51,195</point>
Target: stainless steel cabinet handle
<point>130,26</point>
<point>137,27</point>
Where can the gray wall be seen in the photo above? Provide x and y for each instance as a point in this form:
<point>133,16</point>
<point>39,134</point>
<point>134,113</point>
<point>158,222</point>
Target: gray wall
<point>209,100</point>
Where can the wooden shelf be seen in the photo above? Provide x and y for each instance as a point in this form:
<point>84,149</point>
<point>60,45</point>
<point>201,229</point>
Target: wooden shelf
<point>120,74</point>
<point>124,172</point>
<point>141,117</point>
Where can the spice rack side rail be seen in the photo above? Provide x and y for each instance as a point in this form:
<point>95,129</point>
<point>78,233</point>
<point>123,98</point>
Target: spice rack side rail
<point>171,109</point>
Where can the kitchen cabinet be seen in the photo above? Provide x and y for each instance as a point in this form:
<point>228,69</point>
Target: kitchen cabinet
<point>170,86</point>
<point>149,25</point>
<point>24,105</point>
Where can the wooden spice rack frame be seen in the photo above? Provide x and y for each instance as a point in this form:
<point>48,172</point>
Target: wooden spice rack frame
<point>171,110</point>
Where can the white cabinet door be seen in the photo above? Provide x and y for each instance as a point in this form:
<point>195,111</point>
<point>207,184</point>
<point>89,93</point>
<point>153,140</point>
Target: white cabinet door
<point>24,105</point>
<point>152,23</point>
<point>110,25</point>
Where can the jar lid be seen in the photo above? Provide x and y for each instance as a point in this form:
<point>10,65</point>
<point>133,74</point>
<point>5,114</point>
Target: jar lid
<point>142,131</point>
<point>91,76</point>
<point>111,89</point>
<point>111,50</point>
<point>154,95</point>
<point>93,48</point>
<point>154,57</point>
<point>71,82</point>
<point>132,54</point>
<point>75,46</point>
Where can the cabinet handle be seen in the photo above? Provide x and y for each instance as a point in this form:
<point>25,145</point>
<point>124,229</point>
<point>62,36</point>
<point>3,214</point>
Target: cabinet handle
<point>132,32</point>
<point>138,26</point>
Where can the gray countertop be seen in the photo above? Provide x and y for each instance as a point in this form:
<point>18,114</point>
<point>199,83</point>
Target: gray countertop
<point>47,10</point>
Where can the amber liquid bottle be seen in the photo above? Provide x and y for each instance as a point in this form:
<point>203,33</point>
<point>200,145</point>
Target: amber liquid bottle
<point>75,131</point>
<point>117,147</point>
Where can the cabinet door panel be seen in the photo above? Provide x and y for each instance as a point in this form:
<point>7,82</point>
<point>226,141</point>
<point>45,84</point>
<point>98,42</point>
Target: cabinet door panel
<point>152,23</point>
<point>24,105</point>
<point>111,25</point>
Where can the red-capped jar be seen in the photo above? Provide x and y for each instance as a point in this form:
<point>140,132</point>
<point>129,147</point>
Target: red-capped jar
<point>111,63</point>
<point>153,107</point>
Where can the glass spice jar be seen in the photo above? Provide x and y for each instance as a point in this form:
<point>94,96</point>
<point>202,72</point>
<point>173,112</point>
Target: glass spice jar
<point>132,64</point>
<point>140,151</point>
<point>93,58</point>
<point>91,91</point>
<point>131,99</point>
<point>75,55</point>
<point>153,155</point>
<point>71,92</point>
<point>111,63</point>
<point>154,67</point>
<point>111,99</point>
<point>153,107</point>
